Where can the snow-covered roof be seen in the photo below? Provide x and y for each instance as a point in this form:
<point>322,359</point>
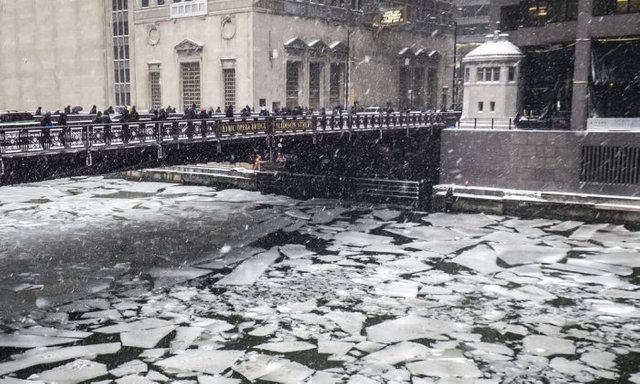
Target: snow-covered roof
<point>496,47</point>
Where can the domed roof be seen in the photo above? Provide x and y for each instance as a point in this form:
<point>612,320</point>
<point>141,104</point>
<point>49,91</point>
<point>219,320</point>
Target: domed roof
<point>497,47</point>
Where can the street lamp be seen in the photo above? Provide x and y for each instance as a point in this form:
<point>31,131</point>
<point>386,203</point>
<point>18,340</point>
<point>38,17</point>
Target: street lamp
<point>454,87</point>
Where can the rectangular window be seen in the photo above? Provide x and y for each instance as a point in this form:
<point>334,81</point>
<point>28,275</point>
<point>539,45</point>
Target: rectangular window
<point>492,106</point>
<point>336,84</point>
<point>488,74</point>
<point>154,87</point>
<point>480,106</point>
<point>190,75</point>
<point>229,75</point>
<point>120,32</point>
<point>160,2</point>
<point>512,74</point>
<point>467,74</point>
<point>188,8</point>
<point>144,3</point>
<point>315,85</point>
<point>292,86</point>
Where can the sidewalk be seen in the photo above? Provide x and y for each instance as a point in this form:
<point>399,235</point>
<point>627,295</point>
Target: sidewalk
<point>556,205</point>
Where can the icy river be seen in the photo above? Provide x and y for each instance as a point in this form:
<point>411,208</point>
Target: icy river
<point>106,280</point>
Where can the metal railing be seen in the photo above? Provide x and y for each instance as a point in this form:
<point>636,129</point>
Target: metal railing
<point>20,140</point>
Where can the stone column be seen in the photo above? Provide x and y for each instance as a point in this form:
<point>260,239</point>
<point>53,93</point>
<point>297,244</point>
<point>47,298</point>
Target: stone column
<point>582,66</point>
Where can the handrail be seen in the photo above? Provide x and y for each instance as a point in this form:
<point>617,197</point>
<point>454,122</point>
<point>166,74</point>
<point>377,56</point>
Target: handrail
<point>18,139</point>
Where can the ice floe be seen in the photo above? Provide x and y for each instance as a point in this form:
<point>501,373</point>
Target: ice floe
<point>200,360</point>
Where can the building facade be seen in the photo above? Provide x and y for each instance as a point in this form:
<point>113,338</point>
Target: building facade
<point>582,57</point>
<point>214,53</point>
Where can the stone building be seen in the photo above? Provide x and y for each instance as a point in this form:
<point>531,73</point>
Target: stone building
<point>491,83</point>
<point>261,53</point>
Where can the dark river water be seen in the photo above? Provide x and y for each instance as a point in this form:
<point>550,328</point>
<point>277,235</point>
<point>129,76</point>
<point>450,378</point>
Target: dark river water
<point>106,279</point>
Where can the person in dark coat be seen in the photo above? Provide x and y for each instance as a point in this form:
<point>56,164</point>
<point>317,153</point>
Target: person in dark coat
<point>106,118</point>
<point>190,113</point>
<point>98,118</point>
<point>228,111</point>
<point>162,114</point>
<point>38,112</point>
<point>110,110</point>
<point>46,120</point>
<point>125,116</point>
<point>67,109</point>
<point>93,110</point>
<point>134,115</point>
<point>62,120</point>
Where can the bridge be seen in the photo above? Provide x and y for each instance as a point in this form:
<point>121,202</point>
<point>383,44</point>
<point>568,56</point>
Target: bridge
<point>408,144</point>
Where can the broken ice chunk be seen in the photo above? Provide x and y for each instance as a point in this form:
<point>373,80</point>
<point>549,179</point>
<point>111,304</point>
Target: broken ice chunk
<point>288,373</point>
<point>286,346</point>
<point>200,360</point>
<point>548,346</point>
<point>398,353</point>
<point>204,379</point>
<point>445,368</point>
<point>251,269</point>
<point>360,239</point>
<point>46,356</point>
<point>134,379</point>
<point>333,347</point>
<point>164,277</point>
<point>481,258</point>
<point>350,322</point>
<point>74,372</point>
<point>412,327</point>
<point>296,251</point>
<point>321,377</point>
<point>525,293</point>
<point>517,254</point>
<point>32,341</point>
<point>398,289</point>
<point>149,323</point>
<point>599,359</point>
<point>184,337</point>
<point>53,332</point>
<point>129,368</point>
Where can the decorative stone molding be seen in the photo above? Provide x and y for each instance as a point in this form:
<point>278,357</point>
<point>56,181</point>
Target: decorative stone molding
<point>228,27</point>
<point>189,47</point>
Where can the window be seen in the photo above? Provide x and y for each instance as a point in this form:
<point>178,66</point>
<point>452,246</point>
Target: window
<point>467,74</point>
<point>563,10</point>
<point>512,74</point>
<point>336,84</point>
<point>190,75</point>
<point>160,2</point>
<point>488,74</point>
<point>186,8</point>
<point>120,33</point>
<point>154,88</point>
<point>229,75</point>
<point>292,86</point>
<point>536,13</point>
<point>315,85</point>
<point>480,106</point>
<point>492,106</point>
<point>144,3</point>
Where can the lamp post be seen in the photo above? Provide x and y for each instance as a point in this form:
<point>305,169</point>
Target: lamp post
<point>454,87</point>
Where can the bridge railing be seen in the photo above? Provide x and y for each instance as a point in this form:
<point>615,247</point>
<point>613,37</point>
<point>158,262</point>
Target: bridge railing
<point>24,140</point>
